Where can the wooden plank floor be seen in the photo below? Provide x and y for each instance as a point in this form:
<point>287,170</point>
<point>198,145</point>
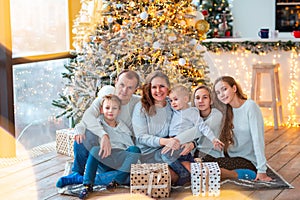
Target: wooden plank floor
<point>35,178</point>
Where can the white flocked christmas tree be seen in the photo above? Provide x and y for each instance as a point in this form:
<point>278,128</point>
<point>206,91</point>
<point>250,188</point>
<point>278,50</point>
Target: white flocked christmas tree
<point>141,35</point>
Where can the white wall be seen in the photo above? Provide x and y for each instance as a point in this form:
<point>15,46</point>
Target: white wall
<point>251,15</point>
<point>239,65</point>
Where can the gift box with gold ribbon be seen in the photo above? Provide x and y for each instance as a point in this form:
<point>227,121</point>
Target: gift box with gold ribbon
<point>65,141</point>
<point>205,178</point>
<point>152,179</point>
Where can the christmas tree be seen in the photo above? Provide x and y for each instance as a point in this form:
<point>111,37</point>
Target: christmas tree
<point>142,35</point>
<point>218,15</point>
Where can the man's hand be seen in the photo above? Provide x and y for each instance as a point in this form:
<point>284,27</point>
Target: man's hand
<point>105,147</point>
<point>79,138</point>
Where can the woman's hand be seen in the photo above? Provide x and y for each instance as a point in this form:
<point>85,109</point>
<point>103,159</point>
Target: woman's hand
<point>79,138</point>
<point>187,148</point>
<point>218,145</point>
<point>171,144</point>
<point>262,177</point>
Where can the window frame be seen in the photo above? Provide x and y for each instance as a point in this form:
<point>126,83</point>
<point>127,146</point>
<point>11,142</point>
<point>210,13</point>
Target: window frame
<point>280,5</point>
<point>7,120</point>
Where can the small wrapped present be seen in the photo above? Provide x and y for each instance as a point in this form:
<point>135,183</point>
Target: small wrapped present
<point>65,141</point>
<point>152,179</point>
<point>205,178</point>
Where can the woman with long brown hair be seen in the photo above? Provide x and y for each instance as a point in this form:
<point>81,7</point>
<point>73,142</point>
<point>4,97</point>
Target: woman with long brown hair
<point>242,131</point>
<point>203,100</point>
<point>151,119</point>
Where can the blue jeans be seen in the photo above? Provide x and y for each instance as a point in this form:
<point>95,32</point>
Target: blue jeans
<point>153,157</point>
<point>81,151</point>
<point>119,160</point>
<point>174,161</point>
<point>107,177</point>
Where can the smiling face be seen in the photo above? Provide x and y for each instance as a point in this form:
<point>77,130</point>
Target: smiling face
<point>110,109</point>
<point>125,88</point>
<point>202,100</point>
<point>225,93</point>
<point>159,90</point>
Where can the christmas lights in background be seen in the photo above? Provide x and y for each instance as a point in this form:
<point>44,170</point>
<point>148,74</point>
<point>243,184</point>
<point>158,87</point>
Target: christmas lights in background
<point>35,86</point>
<point>237,61</point>
<point>139,35</point>
<point>218,15</point>
<point>145,35</point>
<point>38,92</point>
<point>292,97</point>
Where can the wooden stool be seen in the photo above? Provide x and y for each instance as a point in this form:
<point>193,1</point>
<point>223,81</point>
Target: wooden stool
<point>272,70</point>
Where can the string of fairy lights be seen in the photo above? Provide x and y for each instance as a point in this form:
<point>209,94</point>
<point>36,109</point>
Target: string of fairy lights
<point>238,56</point>
<point>183,24</point>
<point>142,35</point>
<point>292,97</point>
<point>177,15</point>
<point>238,61</point>
<point>33,97</point>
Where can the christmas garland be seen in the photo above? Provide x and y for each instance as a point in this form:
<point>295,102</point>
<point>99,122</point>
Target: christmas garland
<point>253,47</point>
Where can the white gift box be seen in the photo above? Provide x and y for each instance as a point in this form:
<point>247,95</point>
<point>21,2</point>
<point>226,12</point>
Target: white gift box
<point>65,141</point>
<point>205,179</point>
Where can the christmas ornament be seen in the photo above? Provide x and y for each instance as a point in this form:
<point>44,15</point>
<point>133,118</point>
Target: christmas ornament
<point>144,15</point>
<point>141,35</point>
<point>202,26</point>
<point>204,13</point>
<point>193,17</point>
<point>181,61</point>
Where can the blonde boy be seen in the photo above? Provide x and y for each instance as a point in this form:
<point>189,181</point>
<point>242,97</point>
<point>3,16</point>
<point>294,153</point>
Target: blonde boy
<point>185,117</point>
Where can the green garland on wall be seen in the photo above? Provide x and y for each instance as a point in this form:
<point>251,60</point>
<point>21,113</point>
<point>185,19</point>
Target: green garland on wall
<point>253,47</point>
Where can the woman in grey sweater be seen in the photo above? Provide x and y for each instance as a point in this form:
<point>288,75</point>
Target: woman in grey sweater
<point>243,130</point>
<point>202,99</point>
<point>151,119</point>
<point>237,161</point>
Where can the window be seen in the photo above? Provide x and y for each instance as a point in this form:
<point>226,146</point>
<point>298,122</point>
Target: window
<point>39,27</point>
<point>34,40</point>
<point>287,15</point>
<point>35,86</point>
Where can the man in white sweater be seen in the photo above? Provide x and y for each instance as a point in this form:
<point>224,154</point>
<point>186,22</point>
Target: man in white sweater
<point>86,136</point>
